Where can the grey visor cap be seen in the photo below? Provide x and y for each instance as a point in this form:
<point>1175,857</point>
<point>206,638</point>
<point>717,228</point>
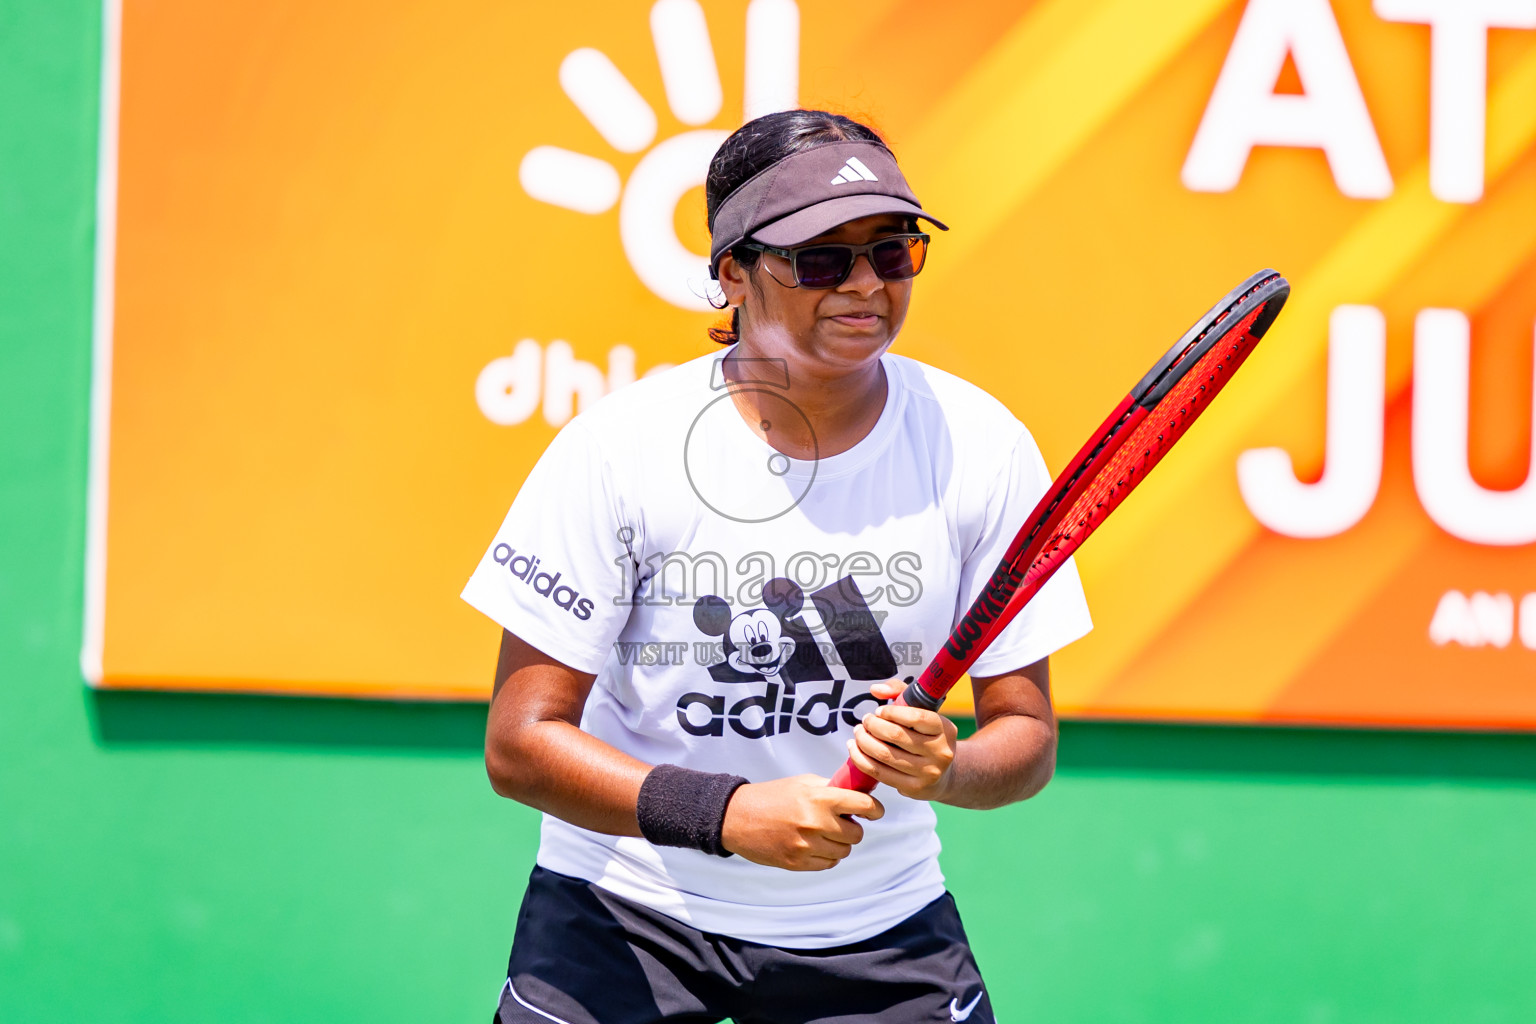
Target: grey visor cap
<point>811,192</point>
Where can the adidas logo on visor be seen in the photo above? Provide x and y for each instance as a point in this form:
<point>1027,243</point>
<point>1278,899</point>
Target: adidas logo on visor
<point>853,170</point>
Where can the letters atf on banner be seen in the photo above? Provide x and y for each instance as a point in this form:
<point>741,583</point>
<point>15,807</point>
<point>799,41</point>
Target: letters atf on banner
<point>359,262</point>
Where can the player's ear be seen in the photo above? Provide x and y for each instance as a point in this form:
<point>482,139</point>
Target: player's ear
<point>733,280</point>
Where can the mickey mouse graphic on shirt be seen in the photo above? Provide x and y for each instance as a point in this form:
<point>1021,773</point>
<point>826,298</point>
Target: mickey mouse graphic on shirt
<point>758,643</point>
<point>761,645</point>
<point>773,643</point>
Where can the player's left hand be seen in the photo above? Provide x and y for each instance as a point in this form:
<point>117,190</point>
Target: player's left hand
<point>908,749</point>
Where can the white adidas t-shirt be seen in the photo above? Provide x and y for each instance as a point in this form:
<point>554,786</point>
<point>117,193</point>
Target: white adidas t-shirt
<point>736,604</point>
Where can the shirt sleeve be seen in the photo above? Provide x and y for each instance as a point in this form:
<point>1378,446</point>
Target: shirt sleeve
<point>1058,614</point>
<point>555,575</point>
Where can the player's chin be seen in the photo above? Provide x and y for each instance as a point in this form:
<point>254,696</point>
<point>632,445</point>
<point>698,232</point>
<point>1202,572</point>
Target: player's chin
<point>855,342</point>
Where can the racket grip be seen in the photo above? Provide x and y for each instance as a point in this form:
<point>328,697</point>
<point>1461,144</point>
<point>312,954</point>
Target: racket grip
<point>851,777</point>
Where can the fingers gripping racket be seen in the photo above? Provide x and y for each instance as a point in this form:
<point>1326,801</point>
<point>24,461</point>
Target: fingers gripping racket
<point>1135,437</point>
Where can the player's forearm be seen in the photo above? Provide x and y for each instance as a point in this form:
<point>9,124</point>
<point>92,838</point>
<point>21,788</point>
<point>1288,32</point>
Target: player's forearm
<point>537,755</point>
<point>1009,759</point>
<point>555,767</point>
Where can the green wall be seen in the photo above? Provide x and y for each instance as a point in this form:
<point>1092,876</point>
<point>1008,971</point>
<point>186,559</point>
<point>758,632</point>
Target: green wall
<point>171,858</point>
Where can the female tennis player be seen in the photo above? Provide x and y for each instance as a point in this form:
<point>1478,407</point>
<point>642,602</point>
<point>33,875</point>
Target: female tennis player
<point>713,583</point>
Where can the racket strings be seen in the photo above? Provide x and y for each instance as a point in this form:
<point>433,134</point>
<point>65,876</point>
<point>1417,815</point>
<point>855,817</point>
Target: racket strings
<point>1164,425</point>
<point>1127,451</point>
<point>1083,467</point>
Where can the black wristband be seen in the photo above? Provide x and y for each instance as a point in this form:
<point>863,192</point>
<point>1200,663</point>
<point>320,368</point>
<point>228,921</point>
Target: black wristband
<point>681,807</point>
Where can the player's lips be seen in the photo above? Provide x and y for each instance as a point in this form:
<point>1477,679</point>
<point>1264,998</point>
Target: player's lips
<point>857,319</point>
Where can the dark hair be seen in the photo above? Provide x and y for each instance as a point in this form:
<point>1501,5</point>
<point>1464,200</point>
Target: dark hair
<point>758,145</point>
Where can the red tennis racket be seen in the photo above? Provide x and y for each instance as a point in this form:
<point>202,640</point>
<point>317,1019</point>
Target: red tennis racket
<point>1135,437</point>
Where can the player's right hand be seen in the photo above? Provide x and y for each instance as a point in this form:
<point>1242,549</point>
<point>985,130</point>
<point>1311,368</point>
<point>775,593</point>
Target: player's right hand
<point>798,823</point>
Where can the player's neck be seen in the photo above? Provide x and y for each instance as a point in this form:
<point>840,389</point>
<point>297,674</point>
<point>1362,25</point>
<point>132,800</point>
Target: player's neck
<point>803,408</point>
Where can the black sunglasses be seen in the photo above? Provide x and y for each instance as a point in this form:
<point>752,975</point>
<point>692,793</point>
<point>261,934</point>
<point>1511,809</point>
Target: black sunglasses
<point>828,264</point>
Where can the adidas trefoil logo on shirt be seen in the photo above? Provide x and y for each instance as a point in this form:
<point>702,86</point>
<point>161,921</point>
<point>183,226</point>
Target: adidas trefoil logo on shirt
<point>853,170</point>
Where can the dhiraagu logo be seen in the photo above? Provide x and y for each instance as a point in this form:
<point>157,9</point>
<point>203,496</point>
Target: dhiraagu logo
<point>670,168</point>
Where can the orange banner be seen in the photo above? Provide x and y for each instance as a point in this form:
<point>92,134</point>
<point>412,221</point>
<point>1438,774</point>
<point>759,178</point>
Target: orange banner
<point>368,258</point>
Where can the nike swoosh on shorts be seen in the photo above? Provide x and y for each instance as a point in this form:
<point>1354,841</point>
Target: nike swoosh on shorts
<point>957,1014</point>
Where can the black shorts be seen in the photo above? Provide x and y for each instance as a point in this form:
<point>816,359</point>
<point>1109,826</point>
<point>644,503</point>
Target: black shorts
<point>584,956</point>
